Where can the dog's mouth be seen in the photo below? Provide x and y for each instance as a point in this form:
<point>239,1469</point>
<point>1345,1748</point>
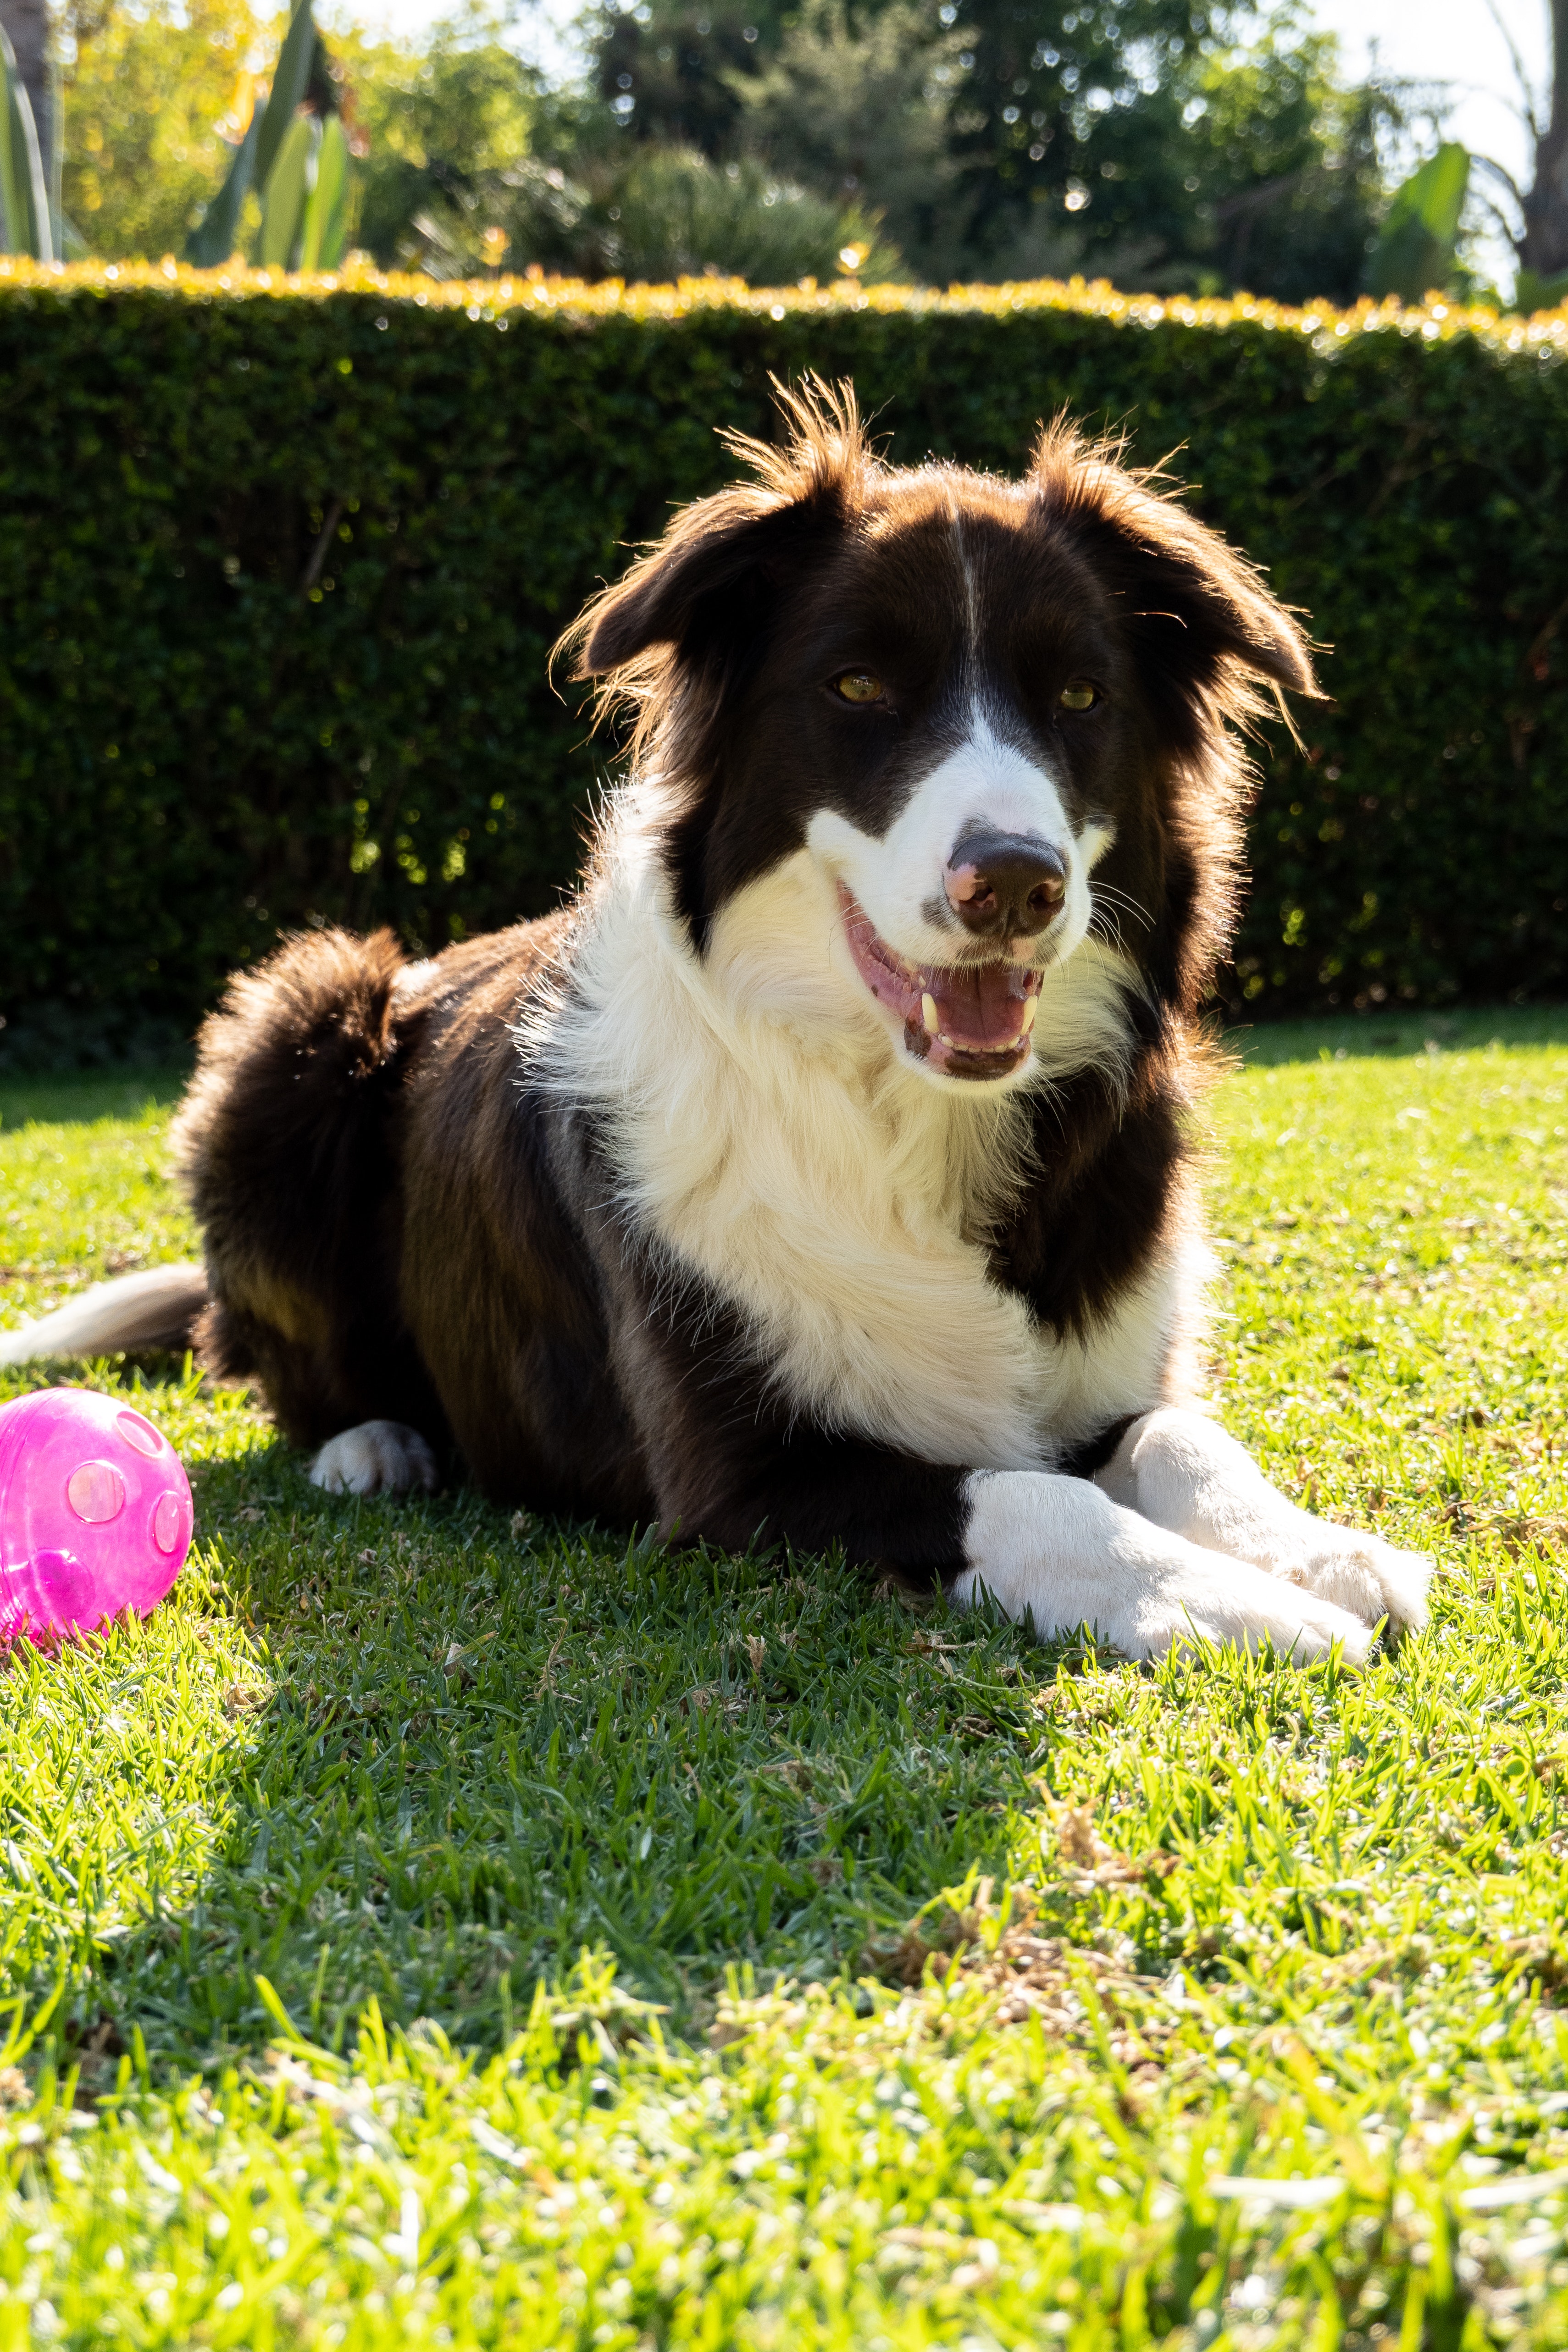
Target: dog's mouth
<point>968,1020</point>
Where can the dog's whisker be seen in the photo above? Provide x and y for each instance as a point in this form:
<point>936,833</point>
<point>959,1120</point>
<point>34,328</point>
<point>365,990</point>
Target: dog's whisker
<point>1109,893</point>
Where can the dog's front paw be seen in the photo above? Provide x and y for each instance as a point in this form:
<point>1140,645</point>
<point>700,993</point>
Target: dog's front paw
<point>1223,1600</point>
<point>1058,1554</point>
<point>379,1457</point>
<point>1355,1570</point>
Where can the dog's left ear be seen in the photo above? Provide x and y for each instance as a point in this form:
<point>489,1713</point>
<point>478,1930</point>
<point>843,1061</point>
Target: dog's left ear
<point>1202,610</point>
<point>1199,620</point>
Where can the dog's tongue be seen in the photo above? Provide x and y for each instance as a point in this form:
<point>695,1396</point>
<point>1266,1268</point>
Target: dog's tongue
<point>979,1005</point>
<point>959,1016</point>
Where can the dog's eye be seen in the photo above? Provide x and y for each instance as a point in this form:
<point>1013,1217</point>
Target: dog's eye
<point>859,686</point>
<point>1079,695</point>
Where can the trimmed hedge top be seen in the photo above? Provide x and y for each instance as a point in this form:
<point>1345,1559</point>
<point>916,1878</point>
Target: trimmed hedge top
<point>496,299</point>
<point>281,560</point>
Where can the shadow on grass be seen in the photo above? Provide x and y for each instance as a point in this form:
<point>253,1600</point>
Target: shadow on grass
<point>76,1099</point>
<point>1353,1037</point>
<point>451,1751</point>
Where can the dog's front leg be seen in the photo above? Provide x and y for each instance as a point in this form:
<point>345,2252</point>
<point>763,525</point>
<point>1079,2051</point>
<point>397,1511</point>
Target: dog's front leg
<point>1053,1551</point>
<point>1059,1553</point>
<point>1176,1468</point>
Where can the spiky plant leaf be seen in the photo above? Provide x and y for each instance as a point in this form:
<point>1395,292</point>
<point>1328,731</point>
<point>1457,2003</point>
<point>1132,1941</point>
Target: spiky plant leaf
<point>216,234</point>
<point>288,86</point>
<point>324,231</point>
<point>283,198</point>
<point>24,200</point>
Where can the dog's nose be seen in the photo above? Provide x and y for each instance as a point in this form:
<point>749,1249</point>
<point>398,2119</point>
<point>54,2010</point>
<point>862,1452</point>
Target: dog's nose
<point>1006,885</point>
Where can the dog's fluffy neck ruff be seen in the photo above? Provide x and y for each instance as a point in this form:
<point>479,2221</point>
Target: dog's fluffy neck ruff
<point>766,1135</point>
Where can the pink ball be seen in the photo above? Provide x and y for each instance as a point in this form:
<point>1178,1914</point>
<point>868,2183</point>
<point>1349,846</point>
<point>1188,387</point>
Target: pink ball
<point>95,1512</point>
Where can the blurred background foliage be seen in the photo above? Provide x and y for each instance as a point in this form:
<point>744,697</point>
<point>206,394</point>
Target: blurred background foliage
<point>1178,146</point>
<point>280,569</point>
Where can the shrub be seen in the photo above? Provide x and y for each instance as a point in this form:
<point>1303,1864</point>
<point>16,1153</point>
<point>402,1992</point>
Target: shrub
<point>280,567</point>
<point>645,211</point>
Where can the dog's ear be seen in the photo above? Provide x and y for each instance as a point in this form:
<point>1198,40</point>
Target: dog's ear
<point>1203,611</point>
<point>698,587</point>
<point>703,587</point>
<point>1201,622</point>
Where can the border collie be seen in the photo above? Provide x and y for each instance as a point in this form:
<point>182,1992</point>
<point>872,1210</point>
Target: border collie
<point>822,1172</point>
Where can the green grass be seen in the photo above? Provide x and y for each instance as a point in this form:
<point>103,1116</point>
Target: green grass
<point>429,1928</point>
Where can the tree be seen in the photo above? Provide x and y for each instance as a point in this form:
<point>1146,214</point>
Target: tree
<point>864,115</point>
<point>146,98</point>
<point>1543,248</point>
<point>442,131</point>
<point>1143,140</point>
<point>1289,165</point>
<point>1167,150</point>
<point>1535,220</point>
<point>668,69</point>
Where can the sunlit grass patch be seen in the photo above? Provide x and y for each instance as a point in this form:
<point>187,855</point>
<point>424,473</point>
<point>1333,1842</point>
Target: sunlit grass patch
<point>434,1926</point>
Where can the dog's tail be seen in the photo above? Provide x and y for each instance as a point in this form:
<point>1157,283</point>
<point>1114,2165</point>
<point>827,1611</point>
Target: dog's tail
<point>154,1309</point>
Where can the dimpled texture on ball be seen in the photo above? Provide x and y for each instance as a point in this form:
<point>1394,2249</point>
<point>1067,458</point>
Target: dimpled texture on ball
<point>95,1512</point>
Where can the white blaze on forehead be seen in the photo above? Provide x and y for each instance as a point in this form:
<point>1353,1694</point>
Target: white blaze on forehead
<point>985,784</point>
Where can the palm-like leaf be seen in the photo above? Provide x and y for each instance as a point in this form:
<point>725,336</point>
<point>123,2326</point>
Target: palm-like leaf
<point>290,84</point>
<point>1414,251</point>
<point>24,200</point>
<point>324,230</point>
<point>276,156</point>
<point>215,235</point>
<point>284,194</point>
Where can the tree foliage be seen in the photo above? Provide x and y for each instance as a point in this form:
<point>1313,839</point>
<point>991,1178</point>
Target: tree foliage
<point>1170,143</point>
<point>446,134</point>
<point>149,93</point>
<point>1173,144</point>
<point>280,569</point>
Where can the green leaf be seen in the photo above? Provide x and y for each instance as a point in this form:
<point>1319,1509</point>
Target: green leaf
<point>283,196</point>
<point>1532,292</point>
<point>214,236</point>
<point>1414,251</point>
<point>288,86</point>
<point>24,202</point>
<point>325,229</point>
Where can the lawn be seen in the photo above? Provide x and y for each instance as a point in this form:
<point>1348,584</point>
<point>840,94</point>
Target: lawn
<point>437,1927</point>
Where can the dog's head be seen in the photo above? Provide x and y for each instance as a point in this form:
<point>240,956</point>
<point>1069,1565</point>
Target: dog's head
<point>980,719</point>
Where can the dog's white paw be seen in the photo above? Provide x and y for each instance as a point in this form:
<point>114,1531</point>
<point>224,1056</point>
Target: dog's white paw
<point>1059,1554</point>
<point>1231,1601</point>
<point>1202,1599</point>
<point>1355,1570</point>
<point>379,1457</point>
<point>1188,1475</point>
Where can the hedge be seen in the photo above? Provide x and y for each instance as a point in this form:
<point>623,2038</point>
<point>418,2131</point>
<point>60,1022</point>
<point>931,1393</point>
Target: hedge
<point>281,563</point>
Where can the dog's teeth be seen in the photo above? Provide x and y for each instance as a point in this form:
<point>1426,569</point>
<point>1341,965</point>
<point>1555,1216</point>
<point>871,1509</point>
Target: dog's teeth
<point>929,1015</point>
<point>944,1039</point>
<point>1031,1006</point>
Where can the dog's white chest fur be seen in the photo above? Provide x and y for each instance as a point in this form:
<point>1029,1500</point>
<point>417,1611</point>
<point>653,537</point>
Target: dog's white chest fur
<point>764,1138</point>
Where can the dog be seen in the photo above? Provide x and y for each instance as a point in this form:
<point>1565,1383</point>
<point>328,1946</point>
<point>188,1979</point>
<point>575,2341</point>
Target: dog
<point>821,1174</point>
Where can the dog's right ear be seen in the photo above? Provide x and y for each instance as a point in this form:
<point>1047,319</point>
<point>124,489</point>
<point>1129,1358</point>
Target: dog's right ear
<point>700,594</point>
<point>697,588</point>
